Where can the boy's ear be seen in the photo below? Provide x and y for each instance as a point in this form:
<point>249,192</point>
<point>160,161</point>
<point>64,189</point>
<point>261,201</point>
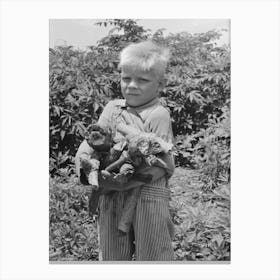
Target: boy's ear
<point>162,83</point>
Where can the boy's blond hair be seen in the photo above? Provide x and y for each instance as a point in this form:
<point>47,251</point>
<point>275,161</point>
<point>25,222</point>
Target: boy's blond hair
<point>146,56</point>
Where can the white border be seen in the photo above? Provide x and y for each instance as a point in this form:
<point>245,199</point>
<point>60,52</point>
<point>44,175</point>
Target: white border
<point>24,138</point>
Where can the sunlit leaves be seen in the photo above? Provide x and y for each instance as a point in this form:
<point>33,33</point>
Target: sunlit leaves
<point>201,218</point>
<point>195,96</point>
<point>72,234</point>
<point>82,82</point>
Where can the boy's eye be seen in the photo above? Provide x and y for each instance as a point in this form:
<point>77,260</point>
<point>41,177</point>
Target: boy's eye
<point>143,80</point>
<point>125,79</point>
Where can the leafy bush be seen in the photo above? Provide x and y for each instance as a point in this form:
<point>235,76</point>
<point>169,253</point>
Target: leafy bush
<point>82,82</point>
<point>201,219</point>
<point>209,150</point>
<point>72,233</point>
<point>78,92</point>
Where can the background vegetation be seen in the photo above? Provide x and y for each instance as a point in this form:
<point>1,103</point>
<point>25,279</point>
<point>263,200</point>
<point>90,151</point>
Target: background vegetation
<point>197,94</point>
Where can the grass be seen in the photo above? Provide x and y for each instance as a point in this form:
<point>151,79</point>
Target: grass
<point>201,218</point>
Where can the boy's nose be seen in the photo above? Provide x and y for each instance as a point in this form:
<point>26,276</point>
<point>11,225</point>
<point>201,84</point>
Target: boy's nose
<point>132,84</point>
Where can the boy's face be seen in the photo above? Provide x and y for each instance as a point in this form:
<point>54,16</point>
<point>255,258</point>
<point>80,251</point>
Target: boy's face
<point>138,86</point>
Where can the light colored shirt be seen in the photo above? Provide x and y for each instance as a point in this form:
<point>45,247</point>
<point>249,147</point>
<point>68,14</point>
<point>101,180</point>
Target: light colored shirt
<point>151,117</point>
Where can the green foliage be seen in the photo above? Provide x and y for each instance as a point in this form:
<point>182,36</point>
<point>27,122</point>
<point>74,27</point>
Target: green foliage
<point>198,79</point>
<point>124,31</point>
<point>82,82</point>
<point>202,223</point>
<point>201,218</point>
<point>79,89</point>
<point>72,233</point>
<point>212,152</point>
<point>209,150</point>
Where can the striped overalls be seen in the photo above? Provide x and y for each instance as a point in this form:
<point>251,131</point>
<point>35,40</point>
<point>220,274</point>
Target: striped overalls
<point>152,232</point>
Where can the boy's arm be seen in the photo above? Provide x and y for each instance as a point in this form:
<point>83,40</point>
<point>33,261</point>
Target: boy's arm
<point>108,184</point>
<point>160,125</point>
<point>105,117</point>
<point>84,150</point>
<point>164,165</point>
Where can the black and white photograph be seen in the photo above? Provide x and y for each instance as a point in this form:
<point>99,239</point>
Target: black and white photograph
<point>139,140</point>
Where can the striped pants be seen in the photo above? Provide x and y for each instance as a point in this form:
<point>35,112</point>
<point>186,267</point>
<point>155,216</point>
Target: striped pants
<point>150,237</point>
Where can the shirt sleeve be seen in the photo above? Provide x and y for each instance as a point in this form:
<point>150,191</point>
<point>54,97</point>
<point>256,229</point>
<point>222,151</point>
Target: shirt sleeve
<point>106,115</point>
<point>160,124</point>
<point>84,151</point>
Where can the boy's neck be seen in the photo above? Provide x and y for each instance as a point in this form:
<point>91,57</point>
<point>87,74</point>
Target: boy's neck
<point>146,105</point>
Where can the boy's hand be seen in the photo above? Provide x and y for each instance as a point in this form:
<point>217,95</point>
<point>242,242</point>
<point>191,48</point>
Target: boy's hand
<point>156,172</point>
<point>107,183</point>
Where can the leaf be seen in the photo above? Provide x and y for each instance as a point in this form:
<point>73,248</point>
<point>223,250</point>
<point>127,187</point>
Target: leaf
<point>191,237</point>
<point>56,108</point>
<point>195,96</point>
<point>62,134</point>
<point>95,106</point>
<point>218,238</point>
<point>205,251</point>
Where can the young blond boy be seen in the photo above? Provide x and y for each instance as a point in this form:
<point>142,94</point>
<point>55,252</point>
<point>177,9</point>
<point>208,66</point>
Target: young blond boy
<point>142,68</point>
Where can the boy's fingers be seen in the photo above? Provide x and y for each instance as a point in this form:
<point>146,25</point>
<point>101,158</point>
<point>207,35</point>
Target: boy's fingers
<point>105,174</point>
<point>126,118</point>
<point>109,184</point>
